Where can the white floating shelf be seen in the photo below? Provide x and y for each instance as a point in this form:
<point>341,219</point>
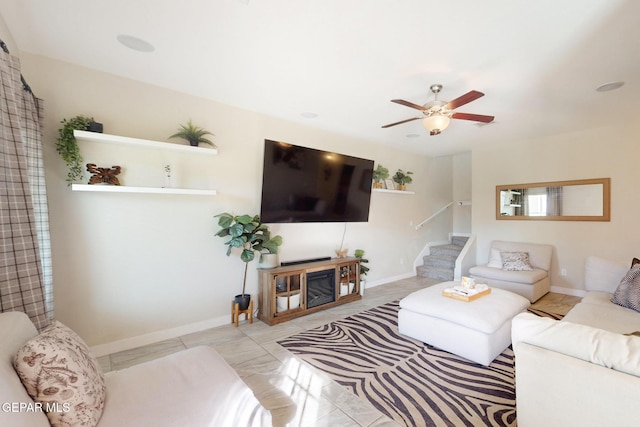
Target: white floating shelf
<point>82,135</point>
<point>147,190</point>
<point>384,190</point>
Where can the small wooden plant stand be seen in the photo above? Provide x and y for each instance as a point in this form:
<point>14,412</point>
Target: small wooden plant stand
<point>236,312</point>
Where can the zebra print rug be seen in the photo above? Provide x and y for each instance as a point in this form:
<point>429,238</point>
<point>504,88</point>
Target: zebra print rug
<point>413,383</point>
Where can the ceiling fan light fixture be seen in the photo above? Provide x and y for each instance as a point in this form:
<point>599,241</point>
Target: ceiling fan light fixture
<point>436,123</point>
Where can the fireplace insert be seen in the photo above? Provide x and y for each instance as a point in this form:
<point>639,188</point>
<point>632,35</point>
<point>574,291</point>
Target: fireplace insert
<point>321,287</point>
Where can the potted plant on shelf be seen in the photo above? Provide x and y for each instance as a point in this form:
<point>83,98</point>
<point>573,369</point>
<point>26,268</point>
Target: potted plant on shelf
<point>402,178</point>
<point>380,173</point>
<point>249,235</point>
<point>67,146</point>
<point>359,253</point>
<point>193,134</point>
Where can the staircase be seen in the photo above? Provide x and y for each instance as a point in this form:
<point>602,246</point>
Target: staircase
<point>441,261</point>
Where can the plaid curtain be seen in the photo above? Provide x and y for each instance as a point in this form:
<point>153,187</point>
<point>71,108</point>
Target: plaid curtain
<point>25,260</point>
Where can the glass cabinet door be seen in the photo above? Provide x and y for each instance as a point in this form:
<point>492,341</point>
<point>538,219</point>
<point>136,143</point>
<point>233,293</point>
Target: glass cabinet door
<point>349,279</point>
<point>288,292</point>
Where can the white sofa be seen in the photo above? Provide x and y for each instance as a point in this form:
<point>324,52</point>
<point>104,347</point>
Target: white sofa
<point>195,387</point>
<point>533,284</point>
<point>581,371</point>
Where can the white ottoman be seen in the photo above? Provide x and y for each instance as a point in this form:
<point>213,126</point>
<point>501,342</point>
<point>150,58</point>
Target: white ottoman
<point>478,330</point>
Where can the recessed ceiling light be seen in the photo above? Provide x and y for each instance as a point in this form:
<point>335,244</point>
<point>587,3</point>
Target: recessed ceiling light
<point>309,115</point>
<point>413,135</point>
<point>609,86</point>
<point>135,43</point>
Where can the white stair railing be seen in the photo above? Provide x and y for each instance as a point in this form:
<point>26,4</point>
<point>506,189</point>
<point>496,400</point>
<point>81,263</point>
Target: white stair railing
<point>438,212</point>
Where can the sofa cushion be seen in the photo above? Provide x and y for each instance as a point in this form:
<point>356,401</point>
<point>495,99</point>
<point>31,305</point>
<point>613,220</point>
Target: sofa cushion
<point>194,387</point>
<point>526,277</point>
<point>608,349</point>
<point>600,298</point>
<point>515,261</point>
<point>58,371</point>
<point>602,313</point>
<point>628,292</point>
<point>495,259</point>
<point>15,330</point>
<point>603,275</point>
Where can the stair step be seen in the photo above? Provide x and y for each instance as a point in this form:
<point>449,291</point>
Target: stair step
<point>443,261</point>
<point>459,240</point>
<point>445,274</point>
<point>449,249</point>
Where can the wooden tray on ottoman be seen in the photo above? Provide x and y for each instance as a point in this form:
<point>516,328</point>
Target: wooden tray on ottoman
<point>466,298</point>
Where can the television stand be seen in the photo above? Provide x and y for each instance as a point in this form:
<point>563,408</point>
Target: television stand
<point>295,290</point>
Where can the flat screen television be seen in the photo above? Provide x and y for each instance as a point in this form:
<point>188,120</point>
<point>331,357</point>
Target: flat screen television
<point>302,184</point>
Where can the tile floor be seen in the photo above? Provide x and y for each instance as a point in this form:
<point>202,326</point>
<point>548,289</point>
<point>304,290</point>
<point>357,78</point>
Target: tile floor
<point>296,393</point>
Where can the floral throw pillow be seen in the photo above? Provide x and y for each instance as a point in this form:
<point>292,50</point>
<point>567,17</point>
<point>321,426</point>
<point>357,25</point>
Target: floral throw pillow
<point>515,261</point>
<point>59,372</point>
<point>628,292</point>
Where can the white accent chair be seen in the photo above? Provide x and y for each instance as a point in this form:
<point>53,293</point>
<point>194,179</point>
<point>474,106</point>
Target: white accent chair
<point>530,284</point>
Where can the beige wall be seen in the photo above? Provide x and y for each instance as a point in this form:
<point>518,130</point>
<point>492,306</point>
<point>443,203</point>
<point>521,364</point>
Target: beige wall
<point>127,265</point>
<point>6,37</point>
<point>607,152</point>
<point>462,166</point>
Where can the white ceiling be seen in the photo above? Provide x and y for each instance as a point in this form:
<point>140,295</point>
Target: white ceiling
<point>538,62</point>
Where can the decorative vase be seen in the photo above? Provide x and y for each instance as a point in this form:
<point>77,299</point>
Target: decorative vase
<point>377,184</point>
<point>243,301</point>
<point>402,187</point>
<point>268,261</point>
<point>167,176</point>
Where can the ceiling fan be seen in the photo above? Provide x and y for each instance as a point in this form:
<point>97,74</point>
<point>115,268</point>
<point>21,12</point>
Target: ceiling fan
<point>436,114</point>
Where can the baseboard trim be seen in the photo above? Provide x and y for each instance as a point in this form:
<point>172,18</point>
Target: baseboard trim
<point>153,337</point>
<point>569,291</point>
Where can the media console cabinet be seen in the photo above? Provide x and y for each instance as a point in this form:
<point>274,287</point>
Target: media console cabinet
<point>292,291</point>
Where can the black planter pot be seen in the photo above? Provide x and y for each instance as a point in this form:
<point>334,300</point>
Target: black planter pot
<point>243,301</point>
<point>95,127</point>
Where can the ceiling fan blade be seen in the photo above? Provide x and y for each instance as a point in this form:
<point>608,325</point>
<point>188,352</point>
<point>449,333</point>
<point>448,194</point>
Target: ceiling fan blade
<point>404,121</point>
<point>408,104</point>
<point>464,99</point>
<point>473,117</point>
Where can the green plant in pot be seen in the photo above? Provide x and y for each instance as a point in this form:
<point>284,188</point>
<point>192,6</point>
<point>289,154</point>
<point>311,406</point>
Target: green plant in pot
<point>247,234</point>
<point>67,146</point>
<point>380,173</point>
<point>402,178</point>
<point>359,253</point>
<point>194,134</point>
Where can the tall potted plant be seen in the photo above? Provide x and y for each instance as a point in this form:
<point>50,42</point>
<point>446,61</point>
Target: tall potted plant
<point>359,253</point>
<point>250,236</point>
<point>402,178</point>
<point>380,173</point>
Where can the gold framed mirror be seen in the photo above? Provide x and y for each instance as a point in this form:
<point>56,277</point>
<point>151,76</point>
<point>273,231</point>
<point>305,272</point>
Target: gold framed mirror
<point>577,200</point>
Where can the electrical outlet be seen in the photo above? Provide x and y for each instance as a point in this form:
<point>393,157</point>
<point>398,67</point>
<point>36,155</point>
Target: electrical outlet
<point>563,272</point>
